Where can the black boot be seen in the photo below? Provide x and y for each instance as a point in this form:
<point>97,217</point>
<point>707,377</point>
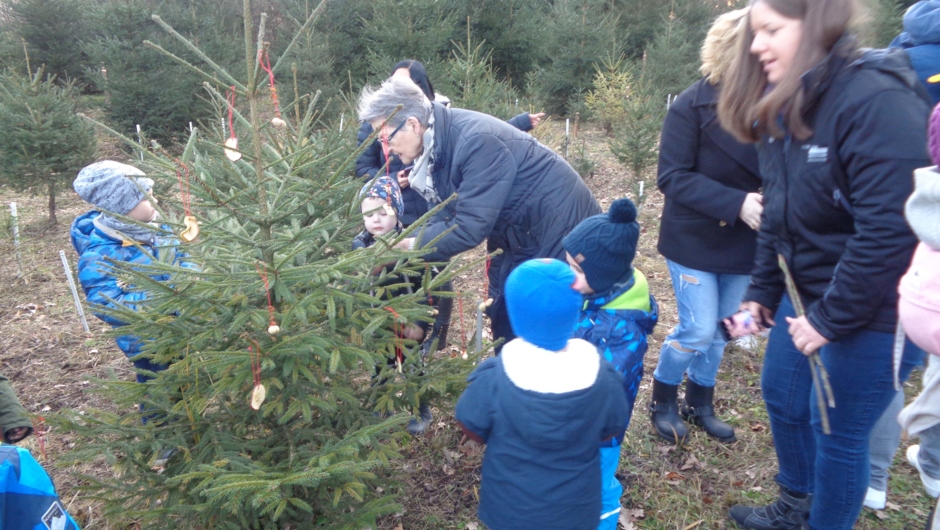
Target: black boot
<point>698,408</point>
<point>664,413</point>
<point>789,512</point>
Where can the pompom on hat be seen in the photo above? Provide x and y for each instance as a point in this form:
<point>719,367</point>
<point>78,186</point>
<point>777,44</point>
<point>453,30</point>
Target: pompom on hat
<point>385,188</point>
<point>542,304</point>
<point>112,186</point>
<point>604,245</point>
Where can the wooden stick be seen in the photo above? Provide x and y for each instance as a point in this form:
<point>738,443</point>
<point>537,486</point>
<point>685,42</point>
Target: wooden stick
<point>824,395</point>
<point>78,302</point>
<point>16,240</point>
<point>480,305</point>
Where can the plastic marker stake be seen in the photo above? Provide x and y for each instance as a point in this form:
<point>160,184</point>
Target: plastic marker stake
<point>78,302</point>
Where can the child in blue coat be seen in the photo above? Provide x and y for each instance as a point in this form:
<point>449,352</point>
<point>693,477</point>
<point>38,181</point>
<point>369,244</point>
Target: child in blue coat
<point>617,316</point>
<point>101,237</point>
<point>542,406</point>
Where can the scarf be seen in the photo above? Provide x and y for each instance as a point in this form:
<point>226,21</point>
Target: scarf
<point>142,232</point>
<point>420,178</point>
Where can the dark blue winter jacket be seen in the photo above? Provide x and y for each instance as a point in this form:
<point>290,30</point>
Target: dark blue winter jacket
<point>96,249</point>
<point>834,203</point>
<point>512,191</point>
<point>618,324</point>
<point>372,160</point>
<point>921,40</point>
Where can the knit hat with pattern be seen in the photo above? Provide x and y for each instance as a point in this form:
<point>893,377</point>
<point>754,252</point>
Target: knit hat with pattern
<point>112,186</point>
<point>385,188</point>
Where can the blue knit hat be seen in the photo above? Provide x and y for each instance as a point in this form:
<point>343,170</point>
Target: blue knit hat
<point>604,245</point>
<point>112,186</point>
<point>385,188</point>
<point>542,303</point>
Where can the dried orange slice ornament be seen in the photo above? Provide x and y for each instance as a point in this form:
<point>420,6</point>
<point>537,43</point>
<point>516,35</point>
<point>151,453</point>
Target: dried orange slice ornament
<point>257,396</point>
<point>191,232</point>
<point>231,149</point>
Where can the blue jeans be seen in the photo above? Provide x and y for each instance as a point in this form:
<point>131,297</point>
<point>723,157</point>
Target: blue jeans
<point>834,467</point>
<point>703,298</point>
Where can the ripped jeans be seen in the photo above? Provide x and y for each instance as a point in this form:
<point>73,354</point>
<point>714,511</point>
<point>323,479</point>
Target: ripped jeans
<point>695,347</point>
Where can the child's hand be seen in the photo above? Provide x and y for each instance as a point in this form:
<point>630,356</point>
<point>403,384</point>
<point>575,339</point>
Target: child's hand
<point>413,332</point>
<point>17,433</point>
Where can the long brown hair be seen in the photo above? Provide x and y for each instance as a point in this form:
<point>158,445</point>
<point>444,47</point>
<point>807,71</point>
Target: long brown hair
<point>745,107</point>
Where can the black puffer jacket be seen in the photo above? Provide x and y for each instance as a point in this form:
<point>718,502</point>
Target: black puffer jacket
<point>705,175</point>
<point>513,191</point>
<point>834,203</point>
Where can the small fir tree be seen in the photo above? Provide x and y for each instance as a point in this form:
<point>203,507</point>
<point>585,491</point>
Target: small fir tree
<point>277,301</point>
<point>636,138</point>
<point>53,31</point>
<point>43,143</point>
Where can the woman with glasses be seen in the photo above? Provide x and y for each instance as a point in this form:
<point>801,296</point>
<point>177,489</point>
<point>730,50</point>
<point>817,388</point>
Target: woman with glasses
<point>513,192</point>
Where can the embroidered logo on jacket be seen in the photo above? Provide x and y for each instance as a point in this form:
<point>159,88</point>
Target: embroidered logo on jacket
<point>816,154</point>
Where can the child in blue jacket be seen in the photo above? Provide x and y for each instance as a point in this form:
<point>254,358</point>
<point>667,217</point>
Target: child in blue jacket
<point>541,407</point>
<point>618,315</point>
<point>101,237</point>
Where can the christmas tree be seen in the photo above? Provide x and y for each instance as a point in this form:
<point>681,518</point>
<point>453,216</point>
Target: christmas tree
<point>271,411</point>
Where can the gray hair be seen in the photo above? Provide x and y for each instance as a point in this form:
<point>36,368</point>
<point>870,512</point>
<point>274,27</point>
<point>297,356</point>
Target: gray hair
<point>375,104</point>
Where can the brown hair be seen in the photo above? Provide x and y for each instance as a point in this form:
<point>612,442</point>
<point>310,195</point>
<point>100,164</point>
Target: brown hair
<point>745,107</point>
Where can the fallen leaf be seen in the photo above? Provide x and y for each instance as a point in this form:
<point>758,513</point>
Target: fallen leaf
<point>448,470</point>
<point>750,474</point>
<point>672,475</point>
<point>758,427</point>
<point>757,489</point>
<point>881,515</point>
<point>693,525</point>
<point>689,464</point>
<point>472,526</point>
<point>398,527</point>
<point>665,449</point>
<point>892,506</point>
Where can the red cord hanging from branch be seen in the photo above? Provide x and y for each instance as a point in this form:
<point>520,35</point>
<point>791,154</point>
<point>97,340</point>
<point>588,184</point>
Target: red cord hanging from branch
<point>399,346</point>
<point>231,143</point>
<point>265,63</point>
<point>191,230</point>
<point>273,328</point>
<point>40,430</point>
<point>487,301</point>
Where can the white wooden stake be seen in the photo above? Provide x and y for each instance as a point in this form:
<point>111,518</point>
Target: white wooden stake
<point>567,128</point>
<point>342,118</point>
<point>479,325</point>
<point>641,188</point>
<point>16,240</point>
<point>190,127</point>
<point>78,302</point>
<point>140,140</point>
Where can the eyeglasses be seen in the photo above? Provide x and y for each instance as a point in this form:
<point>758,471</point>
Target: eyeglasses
<point>395,131</point>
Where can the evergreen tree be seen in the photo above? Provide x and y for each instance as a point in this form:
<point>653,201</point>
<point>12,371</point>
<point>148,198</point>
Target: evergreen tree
<point>510,30</point>
<point>277,301</point>
<point>53,31</point>
<point>43,143</point>
<point>144,86</point>
<point>675,50</point>
<point>579,34</point>
<point>408,29</point>
<point>636,138</point>
<point>881,22</point>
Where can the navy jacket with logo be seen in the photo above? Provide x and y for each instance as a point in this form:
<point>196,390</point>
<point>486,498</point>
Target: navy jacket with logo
<point>834,203</point>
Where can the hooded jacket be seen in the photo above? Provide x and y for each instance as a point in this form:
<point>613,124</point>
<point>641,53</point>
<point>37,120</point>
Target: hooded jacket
<point>834,203</point>
<point>512,191</point>
<point>921,40</point>
<point>96,249</point>
<point>618,324</point>
<point>542,465</point>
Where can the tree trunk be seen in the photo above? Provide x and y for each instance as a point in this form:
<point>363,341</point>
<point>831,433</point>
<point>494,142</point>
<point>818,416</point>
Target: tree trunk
<point>52,218</point>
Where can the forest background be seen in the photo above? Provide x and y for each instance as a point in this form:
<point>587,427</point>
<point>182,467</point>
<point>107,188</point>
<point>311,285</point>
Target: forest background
<point>609,67</point>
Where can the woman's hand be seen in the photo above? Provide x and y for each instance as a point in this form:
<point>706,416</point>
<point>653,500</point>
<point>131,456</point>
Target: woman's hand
<point>752,209</point>
<point>413,332</point>
<point>763,316</point>
<point>403,179</point>
<point>805,337</point>
<point>536,118</point>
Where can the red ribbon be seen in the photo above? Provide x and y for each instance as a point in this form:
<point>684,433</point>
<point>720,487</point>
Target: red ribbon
<point>185,196</point>
<point>267,292</point>
<point>230,99</point>
<point>265,63</point>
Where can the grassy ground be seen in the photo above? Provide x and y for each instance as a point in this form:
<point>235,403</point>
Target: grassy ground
<point>49,359</point>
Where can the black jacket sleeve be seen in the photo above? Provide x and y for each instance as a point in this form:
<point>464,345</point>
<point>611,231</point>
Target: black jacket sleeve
<point>521,122</point>
<point>883,142</point>
<point>767,282</point>
<point>370,161</point>
<point>677,175</point>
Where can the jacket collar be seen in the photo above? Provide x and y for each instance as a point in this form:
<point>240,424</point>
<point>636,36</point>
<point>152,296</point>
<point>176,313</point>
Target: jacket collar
<point>706,94</point>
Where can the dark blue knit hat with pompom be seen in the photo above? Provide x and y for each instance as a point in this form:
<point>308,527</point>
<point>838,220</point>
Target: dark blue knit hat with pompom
<point>604,245</point>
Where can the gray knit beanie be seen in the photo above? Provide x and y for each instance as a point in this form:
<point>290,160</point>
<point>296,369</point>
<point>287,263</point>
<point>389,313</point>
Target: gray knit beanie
<point>112,186</point>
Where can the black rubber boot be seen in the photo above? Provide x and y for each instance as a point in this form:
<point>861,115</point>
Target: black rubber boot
<point>790,511</point>
<point>698,408</point>
<point>664,413</point>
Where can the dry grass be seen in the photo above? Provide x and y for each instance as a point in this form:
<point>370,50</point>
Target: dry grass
<point>49,359</point>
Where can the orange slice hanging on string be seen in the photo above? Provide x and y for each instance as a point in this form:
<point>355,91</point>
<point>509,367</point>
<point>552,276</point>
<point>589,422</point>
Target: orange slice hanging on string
<point>191,232</point>
<point>258,393</point>
<point>231,149</point>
